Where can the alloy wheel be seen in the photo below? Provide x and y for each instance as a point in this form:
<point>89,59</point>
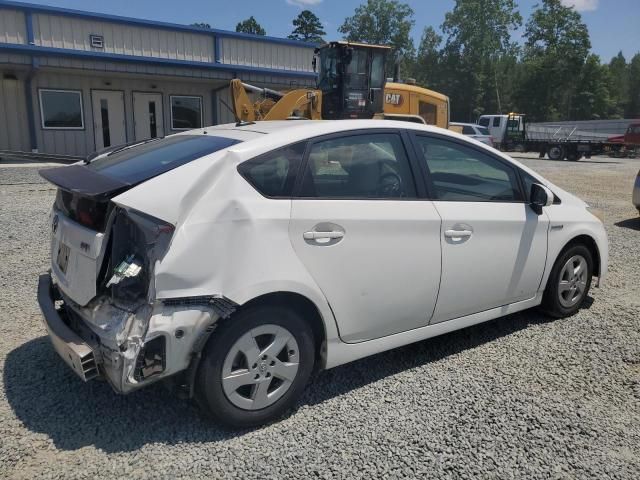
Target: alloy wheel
<point>572,282</point>
<point>260,367</point>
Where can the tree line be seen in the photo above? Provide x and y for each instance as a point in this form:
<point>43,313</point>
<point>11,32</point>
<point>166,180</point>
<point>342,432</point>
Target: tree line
<point>550,75</point>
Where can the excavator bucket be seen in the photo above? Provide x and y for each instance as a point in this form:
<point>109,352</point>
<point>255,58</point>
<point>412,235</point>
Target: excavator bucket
<point>243,108</point>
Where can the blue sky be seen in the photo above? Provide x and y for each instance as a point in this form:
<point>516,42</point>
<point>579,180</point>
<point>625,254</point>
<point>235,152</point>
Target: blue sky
<point>613,24</point>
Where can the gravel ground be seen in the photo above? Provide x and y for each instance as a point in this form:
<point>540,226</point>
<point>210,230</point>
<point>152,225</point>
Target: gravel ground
<point>519,397</point>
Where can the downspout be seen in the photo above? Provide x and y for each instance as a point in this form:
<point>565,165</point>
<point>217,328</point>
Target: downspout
<point>214,104</point>
<point>31,119</point>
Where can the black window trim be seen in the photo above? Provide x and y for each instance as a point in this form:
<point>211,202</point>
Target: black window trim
<point>427,175</point>
<point>260,156</point>
<point>420,188</point>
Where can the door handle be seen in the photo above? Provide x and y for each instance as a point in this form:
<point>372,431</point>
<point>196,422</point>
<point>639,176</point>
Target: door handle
<point>457,233</point>
<point>322,235</point>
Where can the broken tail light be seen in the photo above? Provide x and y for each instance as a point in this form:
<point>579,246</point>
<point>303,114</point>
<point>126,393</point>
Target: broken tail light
<point>138,241</point>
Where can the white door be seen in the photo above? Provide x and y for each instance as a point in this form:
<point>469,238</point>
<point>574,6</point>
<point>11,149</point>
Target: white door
<point>494,245</point>
<point>372,247</point>
<point>108,118</point>
<point>147,115</point>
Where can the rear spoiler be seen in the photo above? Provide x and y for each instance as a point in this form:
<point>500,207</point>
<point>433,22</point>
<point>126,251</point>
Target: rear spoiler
<point>83,181</point>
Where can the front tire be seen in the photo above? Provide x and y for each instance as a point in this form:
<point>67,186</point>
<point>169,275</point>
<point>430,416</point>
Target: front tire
<point>569,282</point>
<point>255,366</point>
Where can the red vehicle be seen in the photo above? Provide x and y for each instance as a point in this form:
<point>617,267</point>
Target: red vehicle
<point>629,143</point>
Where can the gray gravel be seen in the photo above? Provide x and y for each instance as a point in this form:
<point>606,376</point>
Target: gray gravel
<point>520,397</point>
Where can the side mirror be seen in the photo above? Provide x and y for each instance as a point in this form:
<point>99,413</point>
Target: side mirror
<point>540,197</point>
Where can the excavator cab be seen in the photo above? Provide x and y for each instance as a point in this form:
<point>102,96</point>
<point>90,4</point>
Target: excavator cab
<point>351,77</point>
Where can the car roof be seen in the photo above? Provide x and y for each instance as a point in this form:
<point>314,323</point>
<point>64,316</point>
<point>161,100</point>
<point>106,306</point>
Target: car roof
<point>307,128</point>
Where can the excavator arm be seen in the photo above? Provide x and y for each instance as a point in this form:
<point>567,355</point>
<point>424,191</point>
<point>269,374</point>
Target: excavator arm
<point>274,105</point>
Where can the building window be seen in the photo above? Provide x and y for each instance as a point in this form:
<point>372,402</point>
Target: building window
<point>186,112</point>
<point>61,109</point>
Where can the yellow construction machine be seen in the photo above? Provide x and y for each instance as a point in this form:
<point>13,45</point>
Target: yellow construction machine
<point>351,84</point>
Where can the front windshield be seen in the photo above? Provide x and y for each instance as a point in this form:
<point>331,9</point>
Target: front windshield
<point>327,77</point>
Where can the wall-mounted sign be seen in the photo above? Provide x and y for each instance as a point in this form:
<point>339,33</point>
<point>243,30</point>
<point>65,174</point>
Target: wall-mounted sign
<point>97,41</point>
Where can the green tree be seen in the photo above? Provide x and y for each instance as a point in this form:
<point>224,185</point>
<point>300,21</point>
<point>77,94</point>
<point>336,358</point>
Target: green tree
<point>592,100</point>
<point>308,28</point>
<point>478,36</point>
<point>250,25</point>
<point>619,84</point>
<point>382,22</point>
<point>633,105</point>
<point>556,47</point>
<point>425,65</point>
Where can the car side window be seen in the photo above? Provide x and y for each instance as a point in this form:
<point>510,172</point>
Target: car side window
<point>467,130</point>
<point>274,174</point>
<point>358,166</point>
<point>462,174</point>
<point>496,121</point>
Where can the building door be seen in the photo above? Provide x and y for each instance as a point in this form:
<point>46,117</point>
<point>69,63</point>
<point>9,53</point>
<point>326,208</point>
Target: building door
<point>147,115</point>
<point>108,118</point>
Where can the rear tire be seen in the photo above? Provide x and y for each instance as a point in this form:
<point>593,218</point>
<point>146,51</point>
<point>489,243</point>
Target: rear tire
<point>569,282</point>
<point>573,156</point>
<point>255,366</point>
<point>555,152</point>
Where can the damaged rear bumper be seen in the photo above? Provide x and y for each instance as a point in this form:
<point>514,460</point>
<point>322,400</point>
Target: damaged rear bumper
<point>128,349</point>
<point>76,353</point>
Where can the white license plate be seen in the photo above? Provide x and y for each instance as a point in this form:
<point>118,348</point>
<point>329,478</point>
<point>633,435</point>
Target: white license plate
<point>63,257</point>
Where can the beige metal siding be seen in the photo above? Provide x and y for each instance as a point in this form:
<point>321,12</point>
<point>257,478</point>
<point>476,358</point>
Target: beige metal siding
<point>13,28</point>
<point>109,67</point>
<point>73,33</point>
<point>82,142</point>
<point>14,59</point>
<point>14,130</point>
<point>266,55</point>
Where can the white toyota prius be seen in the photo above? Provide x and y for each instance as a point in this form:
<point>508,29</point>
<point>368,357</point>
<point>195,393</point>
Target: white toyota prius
<point>234,260</point>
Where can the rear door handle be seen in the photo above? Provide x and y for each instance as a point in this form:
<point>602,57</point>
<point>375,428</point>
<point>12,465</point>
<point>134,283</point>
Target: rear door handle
<point>322,235</point>
<point>457,233</point>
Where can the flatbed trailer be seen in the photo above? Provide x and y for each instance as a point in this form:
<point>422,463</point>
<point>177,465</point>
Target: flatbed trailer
<point>562,143</point>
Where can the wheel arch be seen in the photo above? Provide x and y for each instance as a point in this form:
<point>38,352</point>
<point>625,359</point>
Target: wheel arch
<point>589,242</point>
<point>302,305</point>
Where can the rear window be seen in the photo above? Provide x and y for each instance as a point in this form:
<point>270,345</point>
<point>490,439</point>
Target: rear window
<point>274,174</point>
<point>483,131</point>
<point>139,163</point>
<point>467,130</point>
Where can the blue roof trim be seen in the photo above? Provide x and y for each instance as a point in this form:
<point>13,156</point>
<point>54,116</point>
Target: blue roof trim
<point>31,7</point>
<point>65,52</point>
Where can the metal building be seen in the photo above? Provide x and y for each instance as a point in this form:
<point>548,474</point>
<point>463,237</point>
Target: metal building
<point>73,82</point>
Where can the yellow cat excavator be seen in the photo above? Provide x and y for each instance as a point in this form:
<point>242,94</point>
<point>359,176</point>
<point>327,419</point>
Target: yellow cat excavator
<point>351,84</point>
